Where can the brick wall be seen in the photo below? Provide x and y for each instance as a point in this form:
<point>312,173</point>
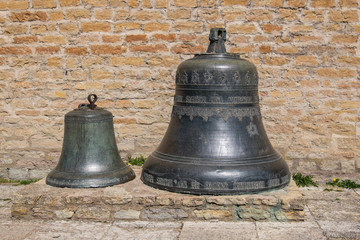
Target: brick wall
<point>53,53</point>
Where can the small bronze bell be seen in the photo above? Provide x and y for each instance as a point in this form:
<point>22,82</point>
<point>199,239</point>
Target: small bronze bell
<point>89,156</point>
<point>216,142</point>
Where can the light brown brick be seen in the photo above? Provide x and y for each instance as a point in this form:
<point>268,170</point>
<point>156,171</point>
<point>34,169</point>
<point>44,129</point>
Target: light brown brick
<point>314,16</point>
<point>25,39</point>
<point>185,3</point>
<point>306,61</point>
<point>277,61</point>
<point>117,3</point>
<point>15,50</point>
<point>111,38</point>
<point>145,103</point>
<point>335,73</point>
<point>75,14</point>
<point>47,50</point>
<point>188,49</point>
<point>30,113</point>
<point>288,14</point>
<point>136,38</point>
<point>301,29</point>
<point>352,60</point>
<point>76,50</point>
<point>89,85</point>
<point>232,15</point>
<point>96,3</point>
<point>144,15</point>
<point>107,49</point>
<point>162,3</point>
<point>120,27</point>
<point>245,28</point>
<point>28,16</point>
<point>322,3</point>
<point>344,39</point>
<point>44,3</point>
<point>95,26</point>
<point>268,3</point>
<point>149,48</point>
<point>178,14</point>
<point>154,26</point>
<point>69,3</point>
<point>132,61</point>
<point>98,74</point>
<point>295,3</point>
<point>260,15</point>
<point>56,16</point>
<point>343,16</point>
<point>38,29</point>
<point>103,14</point>
<point>14,5</point>
<point>348,3</point>
<point>287,50</point>
<point>269,28</point>
<point>57,39</point>
<point>125,103</point>
<point>265,49</point>
<point>165,37</point>
<point>236,2</point>
<point>68,28</point>
<point>15,29</point>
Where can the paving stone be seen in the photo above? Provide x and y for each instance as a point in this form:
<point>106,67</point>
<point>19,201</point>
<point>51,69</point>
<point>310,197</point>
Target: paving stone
<point>293,231</point>
<point>147,224</point>
<point>335,210</point>
<point>117,232</point>
<point>218,231</point>
<point>343,229</point>
<point>15,230</point>
<point>68,230</point>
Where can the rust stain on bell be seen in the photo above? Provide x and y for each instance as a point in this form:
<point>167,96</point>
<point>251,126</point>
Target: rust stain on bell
<point>216,142</point>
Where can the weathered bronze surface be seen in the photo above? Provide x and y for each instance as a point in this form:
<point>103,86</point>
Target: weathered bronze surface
<point>216,142</point>
<point>89,156</point>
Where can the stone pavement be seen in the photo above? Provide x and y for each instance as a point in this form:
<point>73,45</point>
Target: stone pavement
<point>328,215</point>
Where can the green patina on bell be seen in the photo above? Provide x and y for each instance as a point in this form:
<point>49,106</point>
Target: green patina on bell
<point>89,156</point>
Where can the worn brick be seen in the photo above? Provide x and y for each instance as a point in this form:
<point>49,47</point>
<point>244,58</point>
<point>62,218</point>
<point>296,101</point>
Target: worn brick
<point>162,3</point>
<point>14,5</point>
<point>344,39</point>
<point>56,15</point>
<point>96,3</point>
<point>15,29</point>
<point>163,37</point>
<point>68,28</point>
<point>269,28</point>
<point>28,16</point>
<point>295,3</point>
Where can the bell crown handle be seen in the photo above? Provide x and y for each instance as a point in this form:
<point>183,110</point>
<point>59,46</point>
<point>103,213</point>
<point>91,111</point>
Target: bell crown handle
<point>217,39</point>
<point>92,99</point>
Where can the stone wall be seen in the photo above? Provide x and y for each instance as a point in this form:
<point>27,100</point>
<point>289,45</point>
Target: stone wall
<point>53,53</point>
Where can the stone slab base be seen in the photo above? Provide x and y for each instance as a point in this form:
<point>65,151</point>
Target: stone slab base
<point>136,201</point>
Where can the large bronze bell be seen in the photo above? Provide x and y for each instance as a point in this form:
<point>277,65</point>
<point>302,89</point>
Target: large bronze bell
<point>89,156</point>
<point>216,142</point>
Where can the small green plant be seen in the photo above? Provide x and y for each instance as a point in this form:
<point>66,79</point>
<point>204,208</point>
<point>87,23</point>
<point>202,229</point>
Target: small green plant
<point>18,182</point>
<point>303,181</point>
<point>136,161</point>
<point>336,182</point>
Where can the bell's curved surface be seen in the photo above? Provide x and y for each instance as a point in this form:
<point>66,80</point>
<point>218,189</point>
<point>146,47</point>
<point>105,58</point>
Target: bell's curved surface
<point>216,142</point>
<point>89,156</point>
